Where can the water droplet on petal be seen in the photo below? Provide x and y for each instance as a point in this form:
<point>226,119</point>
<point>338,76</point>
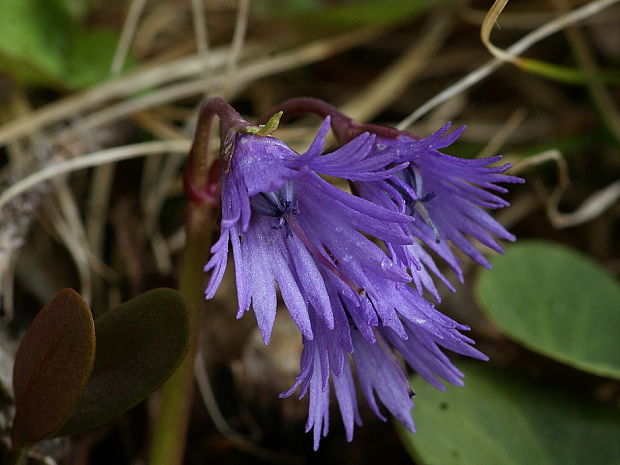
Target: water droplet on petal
<point>386,263</point>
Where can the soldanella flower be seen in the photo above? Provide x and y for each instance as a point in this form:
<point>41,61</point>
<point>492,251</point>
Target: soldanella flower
<point>354,305</point>
<point>447,196</point>
<point>287,226</point>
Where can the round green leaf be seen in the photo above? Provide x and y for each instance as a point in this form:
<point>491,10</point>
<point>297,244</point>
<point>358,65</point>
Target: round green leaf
<point>139,345</point>
<point>52,365</point>
<point>556,302</point>
<point>502,418</point>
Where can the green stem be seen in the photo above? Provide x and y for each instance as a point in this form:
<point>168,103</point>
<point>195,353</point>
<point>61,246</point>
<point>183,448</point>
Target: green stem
<point>170,429</point>
<point>18,456</point>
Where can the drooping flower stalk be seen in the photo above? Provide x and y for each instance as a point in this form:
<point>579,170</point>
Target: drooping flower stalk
<point>201,182</point>
<point>344,127</point>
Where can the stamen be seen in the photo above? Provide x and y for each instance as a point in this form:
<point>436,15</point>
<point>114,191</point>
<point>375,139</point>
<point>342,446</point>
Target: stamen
<point>263,205</point>
<point>419,207</point>
<point>282,204</point>
<point>418,182</point>
<point>277,203</point>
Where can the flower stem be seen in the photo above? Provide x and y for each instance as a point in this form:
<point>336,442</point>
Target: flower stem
<point>344,127</point>
<point>170,429</point>
<point>197,169</point>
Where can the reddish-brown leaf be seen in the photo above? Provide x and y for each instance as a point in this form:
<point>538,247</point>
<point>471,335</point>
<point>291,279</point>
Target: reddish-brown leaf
<point>53,363</point>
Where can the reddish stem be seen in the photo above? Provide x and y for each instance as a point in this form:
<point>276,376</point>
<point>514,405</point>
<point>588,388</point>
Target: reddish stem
<point>201,180</point>
<point>344,127</point>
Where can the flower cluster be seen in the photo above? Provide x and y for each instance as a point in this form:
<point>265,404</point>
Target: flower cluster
<point>354,269</point>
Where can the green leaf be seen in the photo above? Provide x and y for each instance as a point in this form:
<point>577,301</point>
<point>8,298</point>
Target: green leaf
<point>556,302</point>
<point>41,42</point>
<point>566,74</point>
<point>52,365</point>
<point>502,418</point>
<point>139,345</point>
<point>89,59</point>
<point>33,38</point>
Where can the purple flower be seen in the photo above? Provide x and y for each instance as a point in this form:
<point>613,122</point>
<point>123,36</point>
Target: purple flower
<point>350,300</point>
<point>288,226</point>
<point>447,197</point>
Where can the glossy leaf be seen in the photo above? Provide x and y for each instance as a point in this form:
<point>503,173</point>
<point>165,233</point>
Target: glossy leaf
<point>139,345</point>
<point>556,302</point>
<point>502,418</point>
<point>53,363</point>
